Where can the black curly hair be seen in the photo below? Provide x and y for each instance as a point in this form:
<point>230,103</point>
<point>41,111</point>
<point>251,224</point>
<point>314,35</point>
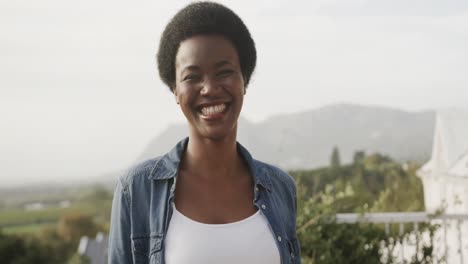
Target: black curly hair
<point>205,18</point>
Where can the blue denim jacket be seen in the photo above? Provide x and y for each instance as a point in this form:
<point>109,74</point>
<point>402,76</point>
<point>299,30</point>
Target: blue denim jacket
<point>141,208</point>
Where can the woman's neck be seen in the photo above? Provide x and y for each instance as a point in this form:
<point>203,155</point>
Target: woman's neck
<point>212,158</point>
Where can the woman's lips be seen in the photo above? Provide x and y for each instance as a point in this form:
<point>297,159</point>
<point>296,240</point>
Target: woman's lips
<point>213,112</point>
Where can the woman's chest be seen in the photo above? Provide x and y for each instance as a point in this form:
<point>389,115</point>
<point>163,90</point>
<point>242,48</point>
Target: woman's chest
<point>214,203</point>
<point>150,226</point>
<point>246,241</point>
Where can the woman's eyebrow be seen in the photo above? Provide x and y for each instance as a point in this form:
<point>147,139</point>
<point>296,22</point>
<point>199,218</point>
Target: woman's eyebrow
<point>222,63</point>
<point>189,68</point>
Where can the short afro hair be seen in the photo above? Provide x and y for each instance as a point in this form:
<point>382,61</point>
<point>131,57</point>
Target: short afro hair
<point>205,18</point>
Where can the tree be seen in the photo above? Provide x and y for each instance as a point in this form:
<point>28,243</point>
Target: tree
<point>72,227</point>
<point>335,158</point>
<point>374,183</point>
<point>61,250</point>
<point>18,250</point>
<point>359,156</point>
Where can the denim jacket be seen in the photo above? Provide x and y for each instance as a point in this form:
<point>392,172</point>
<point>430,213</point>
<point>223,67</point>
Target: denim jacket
<point>141,208</point>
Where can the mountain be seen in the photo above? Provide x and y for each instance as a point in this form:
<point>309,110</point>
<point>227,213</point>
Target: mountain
<point>306,139</point>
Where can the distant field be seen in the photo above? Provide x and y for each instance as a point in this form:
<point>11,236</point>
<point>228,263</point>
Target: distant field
<point>27,229</point>
<point>22,221</point>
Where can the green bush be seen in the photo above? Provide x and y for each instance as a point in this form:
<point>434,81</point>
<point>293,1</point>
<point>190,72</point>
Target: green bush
<point>371,184</point>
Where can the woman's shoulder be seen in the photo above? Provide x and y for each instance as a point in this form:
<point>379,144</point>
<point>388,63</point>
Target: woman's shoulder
<point>138,172</point>
<point>276,175</point>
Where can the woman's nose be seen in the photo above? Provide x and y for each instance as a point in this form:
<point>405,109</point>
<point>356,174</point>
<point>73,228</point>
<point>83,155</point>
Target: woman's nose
<point>209,86</point>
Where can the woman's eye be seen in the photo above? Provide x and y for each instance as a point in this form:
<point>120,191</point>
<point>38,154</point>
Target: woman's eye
<point>224,72</point>
<point>190,77</point>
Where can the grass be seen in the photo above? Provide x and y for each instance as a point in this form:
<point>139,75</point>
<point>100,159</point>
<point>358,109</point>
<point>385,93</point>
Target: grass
<point>20,216</point>
<point>20,221</point>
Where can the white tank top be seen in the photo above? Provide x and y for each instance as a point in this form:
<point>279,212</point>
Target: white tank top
<point>247,241</point>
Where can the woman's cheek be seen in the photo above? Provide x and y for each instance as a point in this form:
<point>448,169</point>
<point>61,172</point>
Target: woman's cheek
<point>231,82</point>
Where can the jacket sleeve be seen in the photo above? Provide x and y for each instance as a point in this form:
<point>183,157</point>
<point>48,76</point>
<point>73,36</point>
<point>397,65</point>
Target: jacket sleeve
<point>120,245</point>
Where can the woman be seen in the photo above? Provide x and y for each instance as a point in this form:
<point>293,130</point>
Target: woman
<point>207,200</point>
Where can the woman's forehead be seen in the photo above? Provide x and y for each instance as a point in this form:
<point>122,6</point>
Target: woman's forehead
<point>205,50</point>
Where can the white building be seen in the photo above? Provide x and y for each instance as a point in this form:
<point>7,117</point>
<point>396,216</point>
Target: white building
<point>94,249</point>
<point>445,175</point>
<point>445,183</point>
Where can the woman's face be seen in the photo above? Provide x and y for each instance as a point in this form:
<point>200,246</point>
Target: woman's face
<point>209,85</point>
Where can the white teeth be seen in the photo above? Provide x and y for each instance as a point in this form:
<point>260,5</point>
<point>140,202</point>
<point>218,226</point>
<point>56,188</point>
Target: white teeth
<point>210,110</point>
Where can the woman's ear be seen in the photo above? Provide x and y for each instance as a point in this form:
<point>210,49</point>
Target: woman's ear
<point>174,91</point>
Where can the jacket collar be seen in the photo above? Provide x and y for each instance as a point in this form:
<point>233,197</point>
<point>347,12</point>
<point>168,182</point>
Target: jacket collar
<point>167,166</point>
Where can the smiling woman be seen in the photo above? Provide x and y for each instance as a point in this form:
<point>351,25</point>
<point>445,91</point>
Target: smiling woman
<point>209,85</point>
<point>207,200</point>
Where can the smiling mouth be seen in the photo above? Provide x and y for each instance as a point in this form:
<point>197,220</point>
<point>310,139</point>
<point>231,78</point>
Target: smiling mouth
<point>213,111</point>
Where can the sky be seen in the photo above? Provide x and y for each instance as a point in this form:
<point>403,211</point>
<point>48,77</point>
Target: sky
<point>80,95</point>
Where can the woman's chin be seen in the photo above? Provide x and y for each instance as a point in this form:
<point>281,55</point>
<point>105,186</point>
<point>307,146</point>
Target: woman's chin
<point>216,132</point>
<point>217,135</point>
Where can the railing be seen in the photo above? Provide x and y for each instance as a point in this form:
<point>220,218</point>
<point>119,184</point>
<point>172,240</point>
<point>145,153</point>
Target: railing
<point>445,220</point>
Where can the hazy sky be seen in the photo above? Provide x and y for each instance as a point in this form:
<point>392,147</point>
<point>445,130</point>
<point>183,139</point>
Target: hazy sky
<point>80,94</point>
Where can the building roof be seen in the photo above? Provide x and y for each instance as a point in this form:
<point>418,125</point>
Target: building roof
<point>94,249</point>
<point>450,145</point>
<point>461,167</point>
